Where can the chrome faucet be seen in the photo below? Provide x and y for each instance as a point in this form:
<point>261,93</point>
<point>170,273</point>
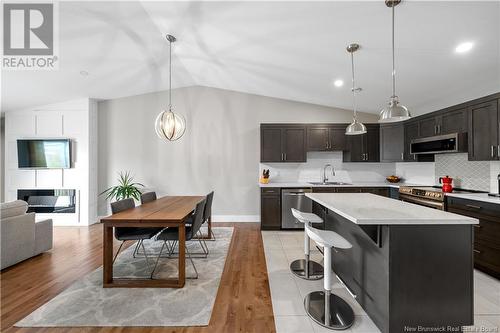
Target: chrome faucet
<point>325,178</point>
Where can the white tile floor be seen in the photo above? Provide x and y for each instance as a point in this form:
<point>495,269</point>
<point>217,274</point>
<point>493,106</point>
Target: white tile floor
<point>288,291</point>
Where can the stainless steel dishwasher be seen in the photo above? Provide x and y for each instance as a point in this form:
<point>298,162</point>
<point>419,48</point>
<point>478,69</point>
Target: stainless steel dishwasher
<point>294,198</point>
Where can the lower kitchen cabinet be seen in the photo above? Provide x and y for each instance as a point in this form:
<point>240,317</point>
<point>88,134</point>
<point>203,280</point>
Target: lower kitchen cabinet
<point>486,233</point>
<point>270,208</point>
<point>383,191</point>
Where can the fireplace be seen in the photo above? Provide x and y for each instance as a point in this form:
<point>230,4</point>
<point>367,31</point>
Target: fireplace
<point>49,201</point>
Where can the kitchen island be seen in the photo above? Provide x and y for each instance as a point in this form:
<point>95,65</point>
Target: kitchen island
<point>410,267</point>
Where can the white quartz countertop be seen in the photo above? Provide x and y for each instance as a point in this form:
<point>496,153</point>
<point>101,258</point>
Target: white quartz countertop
<point>371,209</point>
<point>484,197</point>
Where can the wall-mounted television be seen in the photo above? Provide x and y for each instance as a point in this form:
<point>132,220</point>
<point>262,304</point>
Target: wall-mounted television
<point>44,154</point>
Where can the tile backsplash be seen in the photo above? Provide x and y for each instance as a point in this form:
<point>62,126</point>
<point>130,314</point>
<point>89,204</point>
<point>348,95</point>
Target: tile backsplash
<point>473,175</point>
<point>312,170</point>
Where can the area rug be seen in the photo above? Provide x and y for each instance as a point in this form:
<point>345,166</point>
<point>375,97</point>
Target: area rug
<point>86,303</point>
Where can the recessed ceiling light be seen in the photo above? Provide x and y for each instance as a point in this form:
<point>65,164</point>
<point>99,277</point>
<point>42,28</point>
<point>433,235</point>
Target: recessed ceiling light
<point>464,47</point>
<point>338,83</point>
<point>84,73</point>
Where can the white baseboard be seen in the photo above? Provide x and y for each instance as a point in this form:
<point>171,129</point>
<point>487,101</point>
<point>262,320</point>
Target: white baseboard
<point>235,218</point>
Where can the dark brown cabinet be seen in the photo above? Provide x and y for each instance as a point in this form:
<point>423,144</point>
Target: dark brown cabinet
<point>326,137</point>
<point>282,143</point>
<point>486,233</point>
<point>411,131</point>
<point>484,144</point>
<point>365,147</point>
<point>270,208</point>
<point>392,144</point>
<point>383,191</point>
<point>444,122</point>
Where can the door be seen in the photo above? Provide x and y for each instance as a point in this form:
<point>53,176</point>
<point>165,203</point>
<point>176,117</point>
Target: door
<point>453,122</point>
<point>483,131</point>
<point>294,144</point>
<point>270,208</point>
<point>371,144</point>
<point>270,144</point>
<point>337,138</point>
<point>355,148</point>
<point>411,132</point>
<point>428,127</point>
<point>392,143</point>
<point>317,138</point>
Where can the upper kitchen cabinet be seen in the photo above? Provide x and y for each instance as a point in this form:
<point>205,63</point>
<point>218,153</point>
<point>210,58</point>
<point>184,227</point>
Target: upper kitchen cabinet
<point>282,143</point>
<point>364,147</point>
<point>411,132</point>
<point>392,145</point>
<point>445,122</point>
<point>326,137</point>
<point>483,136</point>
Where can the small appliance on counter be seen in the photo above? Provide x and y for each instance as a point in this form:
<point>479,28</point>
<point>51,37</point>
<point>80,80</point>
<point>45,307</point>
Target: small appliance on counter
<point>496,194</point>
<point>447,184</point>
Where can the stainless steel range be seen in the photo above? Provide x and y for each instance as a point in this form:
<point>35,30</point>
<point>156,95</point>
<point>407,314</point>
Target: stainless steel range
<point>425,196</point>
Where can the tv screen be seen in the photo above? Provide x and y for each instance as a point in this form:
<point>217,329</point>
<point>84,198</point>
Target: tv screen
<point>44,154</point>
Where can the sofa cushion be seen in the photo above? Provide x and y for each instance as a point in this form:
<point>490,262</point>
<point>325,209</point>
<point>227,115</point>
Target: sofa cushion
<point>13,208</point>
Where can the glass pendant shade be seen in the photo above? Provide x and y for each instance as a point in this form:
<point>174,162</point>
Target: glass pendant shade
<point>170,126</point>
<point>394,112</point>
<point>355,128</point>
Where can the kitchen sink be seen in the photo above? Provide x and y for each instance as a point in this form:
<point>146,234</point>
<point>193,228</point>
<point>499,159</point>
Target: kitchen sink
<point>329,183</point>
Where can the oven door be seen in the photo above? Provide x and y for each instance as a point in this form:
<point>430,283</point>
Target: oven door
<point>422,201</point>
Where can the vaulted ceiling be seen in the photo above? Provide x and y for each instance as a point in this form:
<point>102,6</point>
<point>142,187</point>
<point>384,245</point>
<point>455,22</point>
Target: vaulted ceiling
<point>290,50</point>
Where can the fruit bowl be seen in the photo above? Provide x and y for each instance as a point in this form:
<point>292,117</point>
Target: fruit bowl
<point>393,179</point>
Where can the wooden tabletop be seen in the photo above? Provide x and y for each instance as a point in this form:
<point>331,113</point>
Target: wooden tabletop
<point>169,208</point>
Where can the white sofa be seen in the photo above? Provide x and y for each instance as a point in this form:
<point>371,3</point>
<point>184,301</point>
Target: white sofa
<point>22,237</point>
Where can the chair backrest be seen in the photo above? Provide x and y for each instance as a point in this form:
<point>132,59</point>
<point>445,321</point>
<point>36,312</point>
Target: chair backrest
<point>208,206</point>
<point>122,205</point>
<point>148,197</point>
<point>198,216</point>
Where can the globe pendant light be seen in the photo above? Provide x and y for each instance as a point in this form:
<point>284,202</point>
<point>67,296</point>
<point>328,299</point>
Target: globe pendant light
<point>170,126</point>
<point>355,128</point>
<point>394,111</point>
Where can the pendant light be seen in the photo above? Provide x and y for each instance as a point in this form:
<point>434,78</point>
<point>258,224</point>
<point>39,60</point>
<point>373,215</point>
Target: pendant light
<point>355,128</point>
<point>394,111</point>
<point>170,126</point>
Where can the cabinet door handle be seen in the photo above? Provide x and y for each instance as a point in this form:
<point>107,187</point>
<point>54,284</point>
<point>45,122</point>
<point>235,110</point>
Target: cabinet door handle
<point>492,151</point>
<point>476,226</point>
<point>402,156</point>
<point>284,156</point>
<point>367,156</point>
<point>414,157</point>
<point>326,145</point>
<point>477,251</point>
<point>435,129</point>
<point>473,207</point>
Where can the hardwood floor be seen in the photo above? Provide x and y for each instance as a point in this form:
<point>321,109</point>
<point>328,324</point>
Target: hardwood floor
<point>243,302</point>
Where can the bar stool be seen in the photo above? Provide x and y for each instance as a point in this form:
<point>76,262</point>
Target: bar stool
<point>325,308</point>
<point>305,268</point>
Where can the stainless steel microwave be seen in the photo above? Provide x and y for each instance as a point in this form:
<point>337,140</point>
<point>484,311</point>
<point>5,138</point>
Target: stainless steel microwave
<point>449,143</point>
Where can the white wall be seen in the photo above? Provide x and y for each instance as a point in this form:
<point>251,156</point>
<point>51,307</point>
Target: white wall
<point>219,151</point>
<point>76,120</point>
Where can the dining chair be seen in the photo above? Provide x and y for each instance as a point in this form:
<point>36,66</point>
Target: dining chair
<point>148,197</point>
<point>131,233</point>
<point>172,234</point>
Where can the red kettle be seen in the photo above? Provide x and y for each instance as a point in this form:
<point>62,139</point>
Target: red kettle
<point>447,183</point>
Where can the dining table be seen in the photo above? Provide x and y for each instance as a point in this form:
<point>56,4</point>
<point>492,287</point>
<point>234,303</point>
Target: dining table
<point>168,211</point>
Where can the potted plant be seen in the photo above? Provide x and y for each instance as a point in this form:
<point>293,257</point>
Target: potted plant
<point>126,188</point>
